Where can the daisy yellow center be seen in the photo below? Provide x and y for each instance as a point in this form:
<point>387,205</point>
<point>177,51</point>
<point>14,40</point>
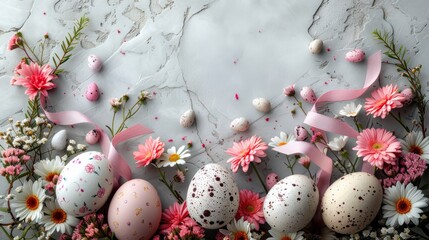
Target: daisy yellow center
<point>377,146</point>
<point>403,206</point>
<point>416,149</point>
<point>240,236</point>
<point>50,176</point>
<point>174,157</point>
<point>286,238</point>
<point>32,202</point>
<point>58,216</point>
<point>281,143</point>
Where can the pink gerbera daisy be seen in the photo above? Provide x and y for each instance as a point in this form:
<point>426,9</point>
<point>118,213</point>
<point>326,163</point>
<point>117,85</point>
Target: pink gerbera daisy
<point>251,208</point>
<point>175,216</point>
<point>383,100</point>
<point>245,152</point>
<point>36,79</point>
<point>151,150</point>
<point>377,146</point>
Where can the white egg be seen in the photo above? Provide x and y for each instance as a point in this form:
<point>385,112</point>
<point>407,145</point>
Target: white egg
<point>212,196</point>
<point>316,46</point>
<point>352,202</point>
<point>187,118</point>
<point>262,104</point>
<point>240,124</point>
<point>59,140</point>
<point>85,184</point>
<point>291,204</point>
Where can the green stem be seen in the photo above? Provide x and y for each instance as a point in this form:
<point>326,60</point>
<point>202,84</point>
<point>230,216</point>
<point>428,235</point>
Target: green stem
<point>6,233</point>
<point>170,187</point>
<point>300,105</point>
<point>259,176</point>
<point>24,233</point>
<point>355,120</point>
<point>32,52</point>
<point>400,122</point>
<point>339,161</point>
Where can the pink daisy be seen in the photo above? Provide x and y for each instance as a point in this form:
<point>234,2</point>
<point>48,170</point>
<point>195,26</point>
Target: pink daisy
<point>383,100</point>
<point>151,150</point>
<point>176,216</point>
<point>377,146</point>
<point>251,208</point>
<point>245,152</point>
<point>36,79</point>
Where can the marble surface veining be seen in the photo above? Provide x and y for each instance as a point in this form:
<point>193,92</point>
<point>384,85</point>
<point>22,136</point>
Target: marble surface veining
<point>214,57</point>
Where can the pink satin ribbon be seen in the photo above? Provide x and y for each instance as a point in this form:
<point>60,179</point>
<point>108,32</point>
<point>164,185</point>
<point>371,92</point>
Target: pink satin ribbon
<point>333,125</point>
<point>119,165</point>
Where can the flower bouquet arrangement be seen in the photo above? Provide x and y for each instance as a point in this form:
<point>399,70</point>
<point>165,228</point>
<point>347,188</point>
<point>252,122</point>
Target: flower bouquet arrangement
<point>58,189</point>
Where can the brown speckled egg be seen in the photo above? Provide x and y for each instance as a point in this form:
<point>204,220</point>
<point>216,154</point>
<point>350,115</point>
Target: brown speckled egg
<point>291,204</point>
<point>212,196</point>
<point>352,202</point>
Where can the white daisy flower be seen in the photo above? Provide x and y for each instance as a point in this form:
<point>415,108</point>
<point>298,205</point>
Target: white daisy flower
<point>338,143</point>
<point>415,143</point>
<point>277,235</point>
<point>57,220</point>
<point>281,140</point>
<point>402,204</point>
<point>28,203</point>
<point>238,230</point>
<point>49,169</point>
<point>173,157</point>
<point>350,110</point>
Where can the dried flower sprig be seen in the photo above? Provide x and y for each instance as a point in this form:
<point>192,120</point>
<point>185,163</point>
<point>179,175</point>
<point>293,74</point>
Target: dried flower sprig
<point>411,74</point>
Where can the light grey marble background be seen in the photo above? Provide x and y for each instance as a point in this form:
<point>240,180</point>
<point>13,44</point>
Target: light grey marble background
<point>198,55</point>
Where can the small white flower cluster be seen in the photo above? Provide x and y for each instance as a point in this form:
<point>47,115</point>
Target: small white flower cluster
<point>27,134</point>
<point>73,148</point>
<point>384,234</point>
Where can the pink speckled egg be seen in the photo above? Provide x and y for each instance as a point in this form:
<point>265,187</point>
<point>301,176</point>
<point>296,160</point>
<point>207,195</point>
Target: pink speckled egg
<point>291,204</point>
<point>94,63</point>
<point>356,55</point>
<point>212,197</point>
<point>308,95</point>
<point>92,92</point>
<point>85,184</point>
<point>352,202</point>
<point>135,210</point>
<point>93,136</point>
<point>271,180</point>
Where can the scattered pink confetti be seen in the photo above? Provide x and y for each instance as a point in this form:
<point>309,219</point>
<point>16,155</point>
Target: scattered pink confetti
<point>184,138</point>
<point>203,145</point>
<point>328,49</point>
<point>122,52</point>
<point>267,119</point>
<point>236,96</point>
<point>170,140</point>
<point>44,13</point>
<point>156,118</point>
<point>119,31</point>
<point>335,58</point>
<point>250,179</point>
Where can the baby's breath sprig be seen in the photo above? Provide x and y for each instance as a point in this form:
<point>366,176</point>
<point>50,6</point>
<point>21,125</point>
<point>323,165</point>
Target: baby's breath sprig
<point>118,104</point>
<point>411,74</point>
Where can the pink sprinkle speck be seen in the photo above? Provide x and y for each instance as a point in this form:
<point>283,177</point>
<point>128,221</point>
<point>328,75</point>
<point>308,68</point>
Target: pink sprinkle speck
<point>153,93</point>
<point>44,13</point>
<point>236,96</point>
<point>250,179</point>
<point>335,58</point>
<point>119,31</point>
<point>122,52</point>
<point>156,118</point>
<point>203,145</point>
<point>328,49</point>
<point>184,138</point>
<point>170,140</point>
<point>326,83</point>
<point>267,119</point>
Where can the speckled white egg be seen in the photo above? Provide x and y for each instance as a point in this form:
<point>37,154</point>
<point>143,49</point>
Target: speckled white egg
<point>315,46</point>
<point>291,204</point>
<point>85,184</point>
<point>352,202</point>
<point>240,124</point>
<point>262,105</point>
<point>212,196</point>
<point>187,118</point>
<point>94,63</point>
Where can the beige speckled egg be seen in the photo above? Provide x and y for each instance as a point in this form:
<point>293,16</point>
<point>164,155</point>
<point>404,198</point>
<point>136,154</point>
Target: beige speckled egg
<point>240,124</point>
<point>212,196</point>
<point>352,202</point>
<point>291,204</point>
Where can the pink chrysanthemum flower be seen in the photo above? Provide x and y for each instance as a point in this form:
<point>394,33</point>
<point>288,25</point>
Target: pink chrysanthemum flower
<point>383,100</point>
<point>176,216</point>
<point>245,152</point>
<point>410,167</point>
<point>36,79</point>
<point>151,150</point>
<point>377,146</point>
<point>251,208</point>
